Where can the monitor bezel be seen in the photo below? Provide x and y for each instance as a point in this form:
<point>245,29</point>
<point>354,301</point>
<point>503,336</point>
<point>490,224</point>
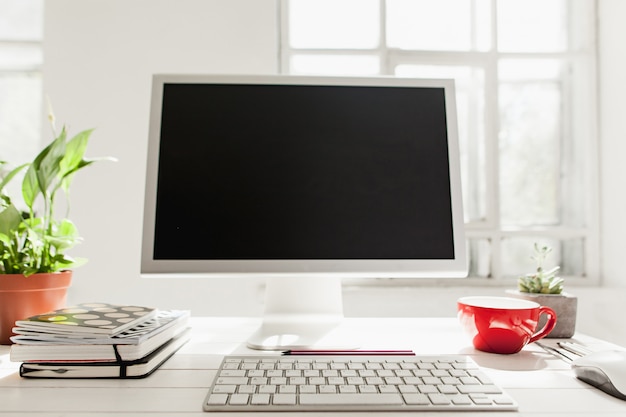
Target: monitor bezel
<point>345,268</point>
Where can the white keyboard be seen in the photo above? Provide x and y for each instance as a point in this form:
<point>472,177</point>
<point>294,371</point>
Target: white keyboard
<point>353,383</point>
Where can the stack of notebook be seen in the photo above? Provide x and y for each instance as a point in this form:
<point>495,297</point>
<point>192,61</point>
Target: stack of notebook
<point>98,340</point>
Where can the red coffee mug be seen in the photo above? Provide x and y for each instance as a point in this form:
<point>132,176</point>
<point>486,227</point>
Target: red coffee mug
<point>502,324</point>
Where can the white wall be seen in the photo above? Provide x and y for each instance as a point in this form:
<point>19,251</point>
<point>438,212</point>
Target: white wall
<point>99,56</point>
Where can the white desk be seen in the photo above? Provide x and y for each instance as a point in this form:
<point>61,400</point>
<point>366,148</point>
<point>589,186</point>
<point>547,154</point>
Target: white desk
<point>542,384</point>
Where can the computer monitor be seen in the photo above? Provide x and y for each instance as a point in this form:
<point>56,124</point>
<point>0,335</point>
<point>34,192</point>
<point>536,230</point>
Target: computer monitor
<point>304,181</point>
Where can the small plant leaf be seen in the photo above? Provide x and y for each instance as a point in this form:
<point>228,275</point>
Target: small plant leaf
<point>74,152</point>
<point>6,240</point>
<point>542,281</point>
<point>47,163</point>
<point>10,175</point>
<point>30,187</point>
<point>10,219</point>
<point>64,236</point>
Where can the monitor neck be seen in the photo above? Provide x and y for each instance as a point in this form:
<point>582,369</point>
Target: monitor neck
<point>300,312</point>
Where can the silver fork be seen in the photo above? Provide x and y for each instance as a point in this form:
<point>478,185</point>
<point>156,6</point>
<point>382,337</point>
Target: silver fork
<point>562,352</point>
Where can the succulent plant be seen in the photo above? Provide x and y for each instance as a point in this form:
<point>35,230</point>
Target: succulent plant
<point>541,281</point>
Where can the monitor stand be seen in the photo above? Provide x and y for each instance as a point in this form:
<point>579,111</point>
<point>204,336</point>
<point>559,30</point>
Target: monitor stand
<point>300,313</point>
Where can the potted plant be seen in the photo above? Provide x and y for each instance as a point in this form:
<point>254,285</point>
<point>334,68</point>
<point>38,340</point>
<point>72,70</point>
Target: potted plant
<point>35,270</point>
<point>546,288</point>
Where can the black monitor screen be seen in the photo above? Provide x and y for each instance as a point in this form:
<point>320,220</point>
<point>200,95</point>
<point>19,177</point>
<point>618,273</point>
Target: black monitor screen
<point>260,171</point>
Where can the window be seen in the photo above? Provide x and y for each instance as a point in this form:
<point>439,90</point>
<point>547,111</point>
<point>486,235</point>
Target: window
<point>21,57</point>
<point>525,78</point>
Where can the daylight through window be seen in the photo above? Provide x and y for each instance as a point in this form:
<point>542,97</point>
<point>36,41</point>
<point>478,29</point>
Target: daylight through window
<point>524,72</point>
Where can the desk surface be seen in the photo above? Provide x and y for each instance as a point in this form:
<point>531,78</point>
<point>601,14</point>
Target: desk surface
<point>542,384</point>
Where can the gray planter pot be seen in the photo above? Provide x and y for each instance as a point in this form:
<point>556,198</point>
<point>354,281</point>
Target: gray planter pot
<point>565,305</point>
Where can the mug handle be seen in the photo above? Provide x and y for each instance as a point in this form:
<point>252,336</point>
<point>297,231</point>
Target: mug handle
<point>548,326</point>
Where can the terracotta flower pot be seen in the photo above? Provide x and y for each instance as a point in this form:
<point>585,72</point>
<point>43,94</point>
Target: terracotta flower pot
<point>22,297</point>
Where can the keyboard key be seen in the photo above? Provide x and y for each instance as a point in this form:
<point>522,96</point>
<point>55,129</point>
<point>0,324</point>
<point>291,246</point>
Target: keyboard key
<point>317,381</point>
<point>308,389</point>
<point>234,372</point>
<point>224,389</point>
<point>278,380</point>
<point>246,389</point>
<point>439,399</point>
<point>347,389</point>
<point>287,389</point>
<point>450,380</point>
<point>469,380</point>
<point>393,380</point>
<point>260,399</point>
<point>231,381</point>
<point>431,380</point>
<point>355,380</point>
<point>448,389</point>
<point>367,389</point>
<point>374,380</point>
<point>350,399</point>
<point>480,399</point>
<point>460,399</point>
<point>388,389</point>
<point>335,380</point>
<point>479,389</point>
<point>407,389</point>
<point>267,389</point>
<point>428,389</point>
<point>440,372</point>
<point>258,380</point>
<point>217,399</point>
<point>239,399</point>
<point>284,399</point>
<point>501,399</point>
<point>297,380</point>
<point>416,399</point>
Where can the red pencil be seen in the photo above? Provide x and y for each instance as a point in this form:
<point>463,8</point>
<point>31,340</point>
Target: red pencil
<point>349,352</point>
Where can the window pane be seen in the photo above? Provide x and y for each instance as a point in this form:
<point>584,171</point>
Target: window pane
<point>479,257</point>
<point>529,69</point>
<point>573,257</point>
<point>20,117</point>
<point>21,19</point>
<point>470,95</point>
<point>532,25</point>
<point>334,64</point>
<point>517,253</point>
<point>334,24</point>
<point>20,57</point>
<point>530,154</point>
<point>451,25</point>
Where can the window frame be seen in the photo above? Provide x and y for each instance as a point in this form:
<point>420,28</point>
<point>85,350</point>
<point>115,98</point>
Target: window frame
<point>582,15</point>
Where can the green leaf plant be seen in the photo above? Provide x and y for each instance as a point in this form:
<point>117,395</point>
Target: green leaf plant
<point>541,281</point>
<point>36,242</point>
